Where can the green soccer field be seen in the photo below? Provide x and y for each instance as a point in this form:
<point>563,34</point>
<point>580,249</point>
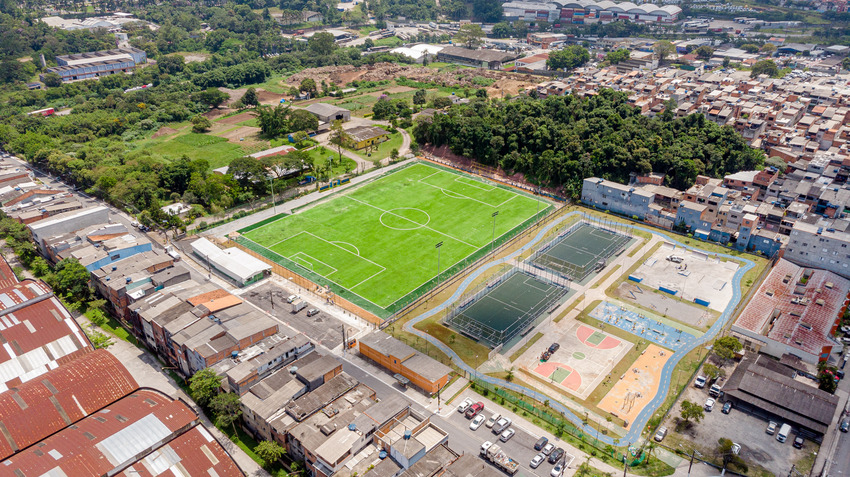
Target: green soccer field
<point>378,240</point>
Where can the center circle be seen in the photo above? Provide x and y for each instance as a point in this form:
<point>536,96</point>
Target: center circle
<point>578,355</point>
<point>405,218</point>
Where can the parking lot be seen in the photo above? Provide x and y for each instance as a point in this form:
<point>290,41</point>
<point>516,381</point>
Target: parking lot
<point>757,447</point>
<point>322,328</point>
<point>520,447</point>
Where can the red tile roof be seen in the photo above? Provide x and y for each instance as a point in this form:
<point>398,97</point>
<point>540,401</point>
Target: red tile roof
<point>38,408</point>
<point>195,452</point>
<point>37,332</point>
<point>109,440</point>
<point>803,323</point>
<point>7,276</point>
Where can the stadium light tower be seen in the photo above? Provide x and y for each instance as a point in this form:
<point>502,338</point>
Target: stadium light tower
<point>437,246</point>
<point>493,240</point>
<point>274,204</point>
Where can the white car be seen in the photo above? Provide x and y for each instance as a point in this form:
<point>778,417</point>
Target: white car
<point>709,404</point>
<point>548,448</point>
<point>464,405</point>
<point>495,417</point>
<point>558,470</point>
<point>699,382</point>
<point>505,437</point>
<point>476,423</point>
<point>537,460</point>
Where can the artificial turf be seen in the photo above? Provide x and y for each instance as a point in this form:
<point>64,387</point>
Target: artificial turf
<point>379,239</point>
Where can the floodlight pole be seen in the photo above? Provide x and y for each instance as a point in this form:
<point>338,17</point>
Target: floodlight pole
<point>493,240</point>
<point>437,246</point>
<point>274,204</point>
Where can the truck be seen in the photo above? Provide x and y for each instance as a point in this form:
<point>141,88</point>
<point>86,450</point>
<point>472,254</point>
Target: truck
<point>783,433</point>
<point>298,305</point>
<point>497,456</point>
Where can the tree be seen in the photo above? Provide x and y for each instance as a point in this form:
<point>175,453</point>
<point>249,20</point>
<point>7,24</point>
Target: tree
<point>227,408</point>
<point>384,109</point>
<point>301,120</point>
<point>765,67</point>
<point>616,56</point>
<point>691,410</point>
<point>712,372</point>
<point>750,47</point>
<point>273,121</point>
<point>520,28</point>
<point>845,63</point>
<point>768,49</point>
<point>71,279</point>
<point>204,386</point>
<point>212,97</point>
<point>250,98</point>
<point>269,451</point>
<point>663,49</point>
<point>510,375</point>
<point>501,30</point>
<point>52,80</point>
<point>724,449</point>
<point>394,155</point>
<point>469,35</point>
<point>339,137</point>
<point>487,11</point>
<point>726,61</point>
<point>200,124</point>
<point>419,97</point>
<point>727,347</point>
<point>568,58</point>
<point>826,379</point>
<point>704,52</point>
<point>171,64</point>
<point>308,85</point>
<point>321,43</point>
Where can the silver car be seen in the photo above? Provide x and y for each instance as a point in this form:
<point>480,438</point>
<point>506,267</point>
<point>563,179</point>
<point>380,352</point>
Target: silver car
<point>537,460</point>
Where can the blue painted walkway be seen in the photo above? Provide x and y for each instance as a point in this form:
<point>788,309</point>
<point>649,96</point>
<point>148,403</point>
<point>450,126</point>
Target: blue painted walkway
<point>666,373</point>
<point>643,327</point>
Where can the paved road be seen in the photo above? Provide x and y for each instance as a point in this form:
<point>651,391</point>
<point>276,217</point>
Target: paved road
<point>640,422</point>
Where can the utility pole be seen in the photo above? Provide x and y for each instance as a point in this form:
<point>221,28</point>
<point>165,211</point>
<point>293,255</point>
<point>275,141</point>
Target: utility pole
<point>437,246</point>
<point>344,343</point>
<point>493,240</point>
<point>271,297</point>
<point>692,463</point>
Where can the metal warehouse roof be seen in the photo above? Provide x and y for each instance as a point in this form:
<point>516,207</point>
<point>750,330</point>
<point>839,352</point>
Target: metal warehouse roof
<point>37,332</point>
<point>38,408</point>
<point>195,452</point>
<point>7,276</point>
<point>109,440</point>
<point>232,261</point>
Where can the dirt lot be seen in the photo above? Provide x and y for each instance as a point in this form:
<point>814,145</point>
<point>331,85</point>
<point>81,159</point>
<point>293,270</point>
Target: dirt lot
<point>507,82</point>
<point>245,135</point>
<point>164,131</point>
<point>757,447</point>
<point>267,97</point>
<point>236,118</point>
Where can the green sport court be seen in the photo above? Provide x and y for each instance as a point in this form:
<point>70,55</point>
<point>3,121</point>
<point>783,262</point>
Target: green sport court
<point>577,253</point>
<point>499,313</point>
<point>378,241</point>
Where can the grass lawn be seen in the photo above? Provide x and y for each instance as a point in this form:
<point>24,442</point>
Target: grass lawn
<point>321,158</point>
<point>378,240</point>
<point>392,41</point>
<point>216,150</point>
<point>384,149</point>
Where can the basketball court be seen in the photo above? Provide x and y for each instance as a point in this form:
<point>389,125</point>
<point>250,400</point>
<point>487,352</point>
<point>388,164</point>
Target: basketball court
<point>585,358</point>
<point>634,389</point>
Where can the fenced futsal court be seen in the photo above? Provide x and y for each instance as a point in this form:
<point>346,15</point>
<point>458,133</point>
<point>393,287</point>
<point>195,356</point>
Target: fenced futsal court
<point>582,248</point>
<point>504,307</point>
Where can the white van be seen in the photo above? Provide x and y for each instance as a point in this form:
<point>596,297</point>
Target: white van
<point>783,433</point>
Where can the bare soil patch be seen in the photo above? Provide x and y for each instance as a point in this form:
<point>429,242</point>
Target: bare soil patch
<point>164,131</point>
<point>236,118</point>
<point>267,97</point>
<point>249,136</point>
<point>216,113</point>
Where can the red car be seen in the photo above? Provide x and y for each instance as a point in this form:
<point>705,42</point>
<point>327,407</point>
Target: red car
<point>474,410</point>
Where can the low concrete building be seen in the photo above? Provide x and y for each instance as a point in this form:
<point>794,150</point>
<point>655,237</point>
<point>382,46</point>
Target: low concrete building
<point>616,197</point>
<point>365,136</point>
<point>491,59</point>
<point>328,113</point>
<point>234,263</point>
<point>422,371</point>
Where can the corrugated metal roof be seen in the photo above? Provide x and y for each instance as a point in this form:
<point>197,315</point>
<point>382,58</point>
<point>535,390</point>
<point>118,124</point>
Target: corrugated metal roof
<point>7,277</point>
<point>195,452</point>
<point>109,440</point>
<point>40,407</point>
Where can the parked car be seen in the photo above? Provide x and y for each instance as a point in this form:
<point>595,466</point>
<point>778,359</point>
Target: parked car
<point>474,410</point>
<point>553,347</point>
<point>771,428</point>
<point>476,423</point>
<point>537,460</point>
<point>736,448</point>
<point>556,455</point>
<point>501,425</point>
<point>312,312</point>
<point>541,443</point>
<point>714,390</point>
<point>558,470</point>
<point>660,433</point>
<point>798,442</point>
<point>464,405</point>
<point>495,417</point>
<point>699,382</point>
<point>727,408</point>
<point>548,448</point>
<point>845,425</point>
<point>506,436</point>
<point>709,404</point>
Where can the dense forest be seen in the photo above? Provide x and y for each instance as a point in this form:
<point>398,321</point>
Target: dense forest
<point>560,140</point>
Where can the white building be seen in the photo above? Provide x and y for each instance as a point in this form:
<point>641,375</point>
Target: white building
<point>237,265</point>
